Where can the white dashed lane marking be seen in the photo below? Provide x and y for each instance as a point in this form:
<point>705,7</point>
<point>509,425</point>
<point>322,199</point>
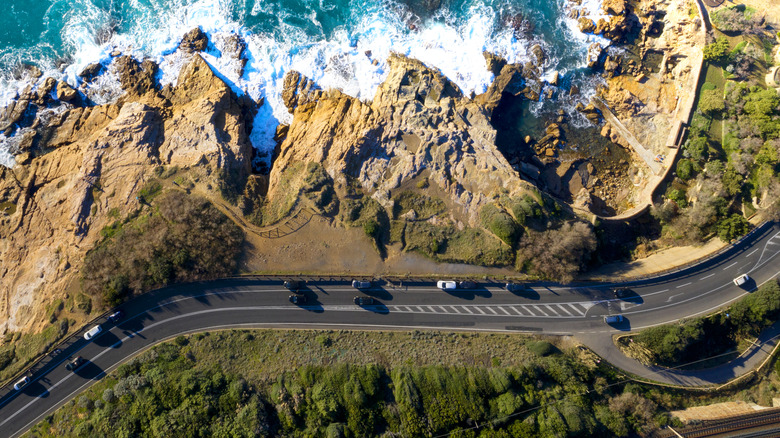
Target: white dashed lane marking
<point>560,310</point>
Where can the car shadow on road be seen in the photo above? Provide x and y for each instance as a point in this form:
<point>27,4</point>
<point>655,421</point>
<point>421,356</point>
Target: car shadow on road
<point>470,294</point>
<point>312,304</point>
<point>35,389</point>
<point>749,285</point>
<point>379,293</point>
<point>377,307</point>
<point>89,371</point>
<point>108,340</point>
<point>528,294</point>
<point>631,297</point>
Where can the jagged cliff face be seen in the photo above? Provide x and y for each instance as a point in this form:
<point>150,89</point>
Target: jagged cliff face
<point>79,163</point>
<point>418,120</point>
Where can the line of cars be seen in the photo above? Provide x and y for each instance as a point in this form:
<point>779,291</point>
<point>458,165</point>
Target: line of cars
<point>74,364</point>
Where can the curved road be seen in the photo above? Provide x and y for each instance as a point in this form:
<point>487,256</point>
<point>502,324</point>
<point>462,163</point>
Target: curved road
<point>546,309</point>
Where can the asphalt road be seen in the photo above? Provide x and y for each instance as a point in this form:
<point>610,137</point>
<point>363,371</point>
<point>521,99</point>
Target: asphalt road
<point>546,309</point>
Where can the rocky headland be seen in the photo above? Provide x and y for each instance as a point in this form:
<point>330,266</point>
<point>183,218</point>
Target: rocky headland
<point>80,166</point>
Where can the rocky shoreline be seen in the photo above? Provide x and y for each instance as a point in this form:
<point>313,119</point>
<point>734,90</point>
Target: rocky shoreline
<point>80,165</point>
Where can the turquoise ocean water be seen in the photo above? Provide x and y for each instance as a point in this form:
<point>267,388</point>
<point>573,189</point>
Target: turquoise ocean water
<point>327,40</point>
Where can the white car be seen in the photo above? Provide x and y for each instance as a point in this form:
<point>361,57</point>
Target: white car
<point>742,279</point>
<point>93,332</point>
<point>446,285</point>
<point>20,384</point>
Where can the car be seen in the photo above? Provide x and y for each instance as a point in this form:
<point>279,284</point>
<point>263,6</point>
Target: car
<point>75,363</point>
<point>292,285</point>
<point>364,301</point>
<point>622,292</point>
<point>741,280</point>
<point>93,332</point>
<point>21,383</point>
<point>516,287</point>
<point>467,285</point>
<point>446,285</point>
<point>361,284</point>
<point>298,299</point>
<point>612,319</point>
<point>116,316</point>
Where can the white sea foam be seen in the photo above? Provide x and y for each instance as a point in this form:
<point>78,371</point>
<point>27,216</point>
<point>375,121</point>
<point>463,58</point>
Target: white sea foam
<point>454,46</point>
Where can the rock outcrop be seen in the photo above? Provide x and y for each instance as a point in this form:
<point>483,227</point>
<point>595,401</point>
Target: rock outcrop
<point>84,161</point>
<point>419,120</point>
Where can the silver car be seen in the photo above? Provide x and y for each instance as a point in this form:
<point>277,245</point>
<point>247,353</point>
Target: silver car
<point>21,383</point>
<point>361,284</point>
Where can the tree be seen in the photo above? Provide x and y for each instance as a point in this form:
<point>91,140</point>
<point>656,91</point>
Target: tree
<point>712,103</point>
<point>732,227</point>
<point>718,51</point>
<point>685,169</point>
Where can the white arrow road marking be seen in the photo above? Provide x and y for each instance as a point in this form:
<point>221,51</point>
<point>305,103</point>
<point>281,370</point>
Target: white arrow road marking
<point>669,300</point>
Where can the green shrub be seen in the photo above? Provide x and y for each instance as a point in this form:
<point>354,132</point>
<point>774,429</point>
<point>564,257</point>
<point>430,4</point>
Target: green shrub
<point>500,223</point>
<point>371,228</point>
<point>711,103</point>
<point>685,169</point>
<point>150,190</point>
<point>678,196</point>
<point>732,227</point>
<point>718,51</point>
<point>541,348</point>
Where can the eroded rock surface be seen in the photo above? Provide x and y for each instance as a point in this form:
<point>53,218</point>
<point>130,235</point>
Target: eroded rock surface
<point>87,161</point>
<point>418,120</point>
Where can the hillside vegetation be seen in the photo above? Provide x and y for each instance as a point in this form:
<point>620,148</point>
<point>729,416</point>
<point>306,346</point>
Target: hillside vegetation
<point>700,338</point>
<point>203,386</point>
<point>179,238</point>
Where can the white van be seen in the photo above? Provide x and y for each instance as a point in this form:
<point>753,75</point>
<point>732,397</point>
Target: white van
<point>93,332</point>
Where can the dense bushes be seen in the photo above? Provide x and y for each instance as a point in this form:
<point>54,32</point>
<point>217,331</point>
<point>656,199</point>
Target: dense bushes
<point>718,51</point>
<point>557,254</point>
<point>172,391</point>
<point>736,19</point>
<point>500,223</point>
<point>184,238</point>
<point>704,337</point>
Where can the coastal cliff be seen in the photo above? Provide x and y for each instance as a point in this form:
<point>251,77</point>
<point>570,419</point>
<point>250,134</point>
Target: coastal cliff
<point>417,121</point>
<point>79,168</point>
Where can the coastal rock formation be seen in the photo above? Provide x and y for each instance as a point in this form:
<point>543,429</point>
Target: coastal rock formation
<point>77,164</point>
<point>419,120</point>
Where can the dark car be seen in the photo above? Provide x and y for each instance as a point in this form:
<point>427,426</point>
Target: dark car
<point>361,284</point>
<point>75,363</point>
<point>116,316</point>
<point>467,285</point>
<point>292,285</point>
<point>298,299</point>
<point>516,287</point>
<point>364,301</point>
<point>622,292</point>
